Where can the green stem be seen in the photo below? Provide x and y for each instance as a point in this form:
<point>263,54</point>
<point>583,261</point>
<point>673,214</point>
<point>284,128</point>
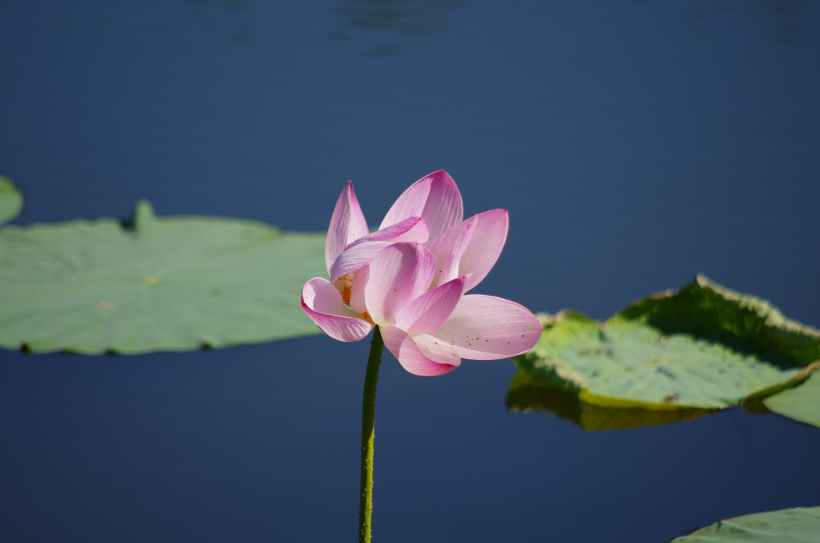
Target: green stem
<point>368,416</point>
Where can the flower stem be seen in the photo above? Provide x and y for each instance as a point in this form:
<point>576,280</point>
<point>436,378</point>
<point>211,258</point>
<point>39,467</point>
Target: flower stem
<point>371,378</point>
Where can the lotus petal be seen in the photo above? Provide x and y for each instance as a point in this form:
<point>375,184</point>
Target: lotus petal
<point>488,328</point>
<point>398,274</point>
<point>412,229</point>
<point>347,224</point>
<point>412,358</point>
<point>325,307</point>
<point>472,247</point>
<point>430,311</point>
<point>434,198</point>
<point>356,258</point>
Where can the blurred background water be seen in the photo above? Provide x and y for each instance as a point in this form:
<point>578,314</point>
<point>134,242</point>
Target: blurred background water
<point>635,143</point>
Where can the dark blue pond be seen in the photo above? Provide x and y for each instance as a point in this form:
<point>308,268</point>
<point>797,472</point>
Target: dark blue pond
<point>635,144</point>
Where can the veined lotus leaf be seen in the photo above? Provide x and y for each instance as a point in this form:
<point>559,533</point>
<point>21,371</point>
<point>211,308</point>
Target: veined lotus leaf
<point>702,346</point>
<point>162,284</point>
<point>800,403</point>
<point>798,525</point>
<point>11,201</point>
<point>745,323</point>
<point>528,393</point>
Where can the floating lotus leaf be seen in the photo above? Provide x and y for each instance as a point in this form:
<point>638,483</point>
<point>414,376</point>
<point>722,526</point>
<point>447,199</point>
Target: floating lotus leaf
<point>745,323</point>
<point>800,403</point>
<point>11,201</point>
<point>161,284</point>
<point>702,346</point>
<point>529,393</point>
<point>799,525</point>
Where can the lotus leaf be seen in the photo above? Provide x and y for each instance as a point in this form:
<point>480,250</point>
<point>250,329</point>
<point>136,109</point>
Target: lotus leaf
<point>159,284</point>
<point>702,346</point>
<point>798,525</point>
<point>800,403</point>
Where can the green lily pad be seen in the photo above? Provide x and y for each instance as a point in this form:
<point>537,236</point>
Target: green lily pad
<point>11,201</point>
<point>799,525</point>
<point>800,403</point>
<point>528,393</point>
<point>162,284</point>
<point>702,346</point>
<point>745,323</point>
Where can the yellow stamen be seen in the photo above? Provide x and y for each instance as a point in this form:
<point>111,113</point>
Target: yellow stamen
<point>343,284</point>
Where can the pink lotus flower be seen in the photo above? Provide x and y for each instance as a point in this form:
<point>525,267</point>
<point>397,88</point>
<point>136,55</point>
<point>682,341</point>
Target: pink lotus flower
<point>411,277</point>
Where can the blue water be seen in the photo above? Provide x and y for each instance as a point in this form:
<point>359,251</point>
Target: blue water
<point>635,143</point>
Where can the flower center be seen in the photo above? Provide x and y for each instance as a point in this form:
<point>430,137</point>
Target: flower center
<point>343,284</point>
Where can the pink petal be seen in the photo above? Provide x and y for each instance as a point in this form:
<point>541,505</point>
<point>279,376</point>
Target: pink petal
<point>398,274</point>
<point>357,302</point>
<point>488,328</point>
<point>448,248</point>
<point>483,247</point>
<point>412,358</point>
<point>412,229</point>
<point>356,258</point>
<point>323,304</point>
<point>430,311</point>
<point>434,198</point>
<point>436,350</point>
<point>347,224</point>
